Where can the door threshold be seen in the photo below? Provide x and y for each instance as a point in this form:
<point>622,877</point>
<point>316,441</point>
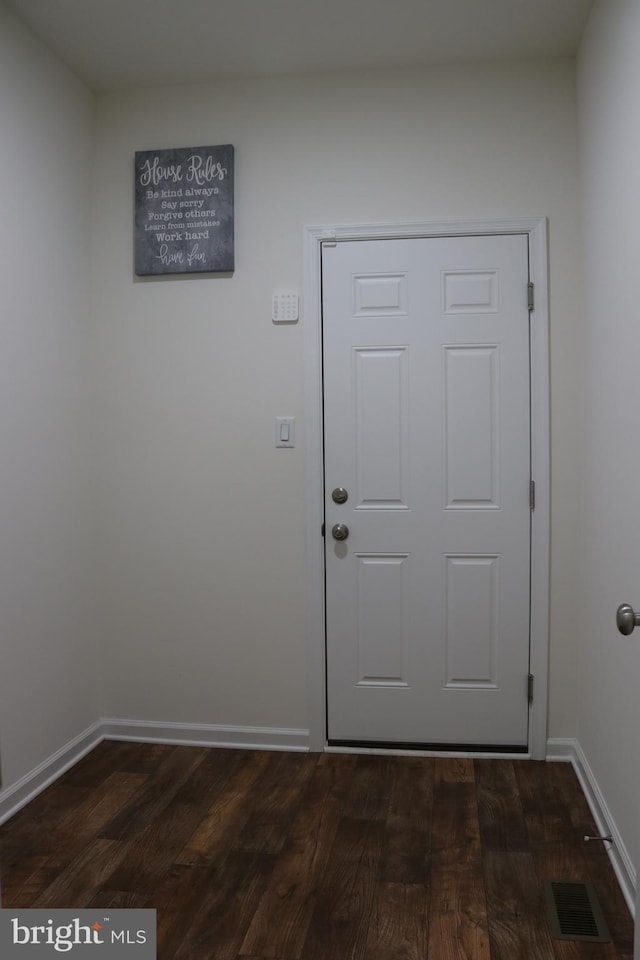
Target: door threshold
<point>479,751</point>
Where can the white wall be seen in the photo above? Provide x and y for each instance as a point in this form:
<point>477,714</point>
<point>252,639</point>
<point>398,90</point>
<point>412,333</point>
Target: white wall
<point>609,717</point>
<point>201,518</point>
<point>48,687</point>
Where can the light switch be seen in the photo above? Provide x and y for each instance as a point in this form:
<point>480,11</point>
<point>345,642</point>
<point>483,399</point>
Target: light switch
<point>285,432</point>
<point>285,308</point>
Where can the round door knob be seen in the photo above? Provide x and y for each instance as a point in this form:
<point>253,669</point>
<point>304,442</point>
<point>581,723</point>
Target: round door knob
<point>340,531</point>
<point>627,619</point>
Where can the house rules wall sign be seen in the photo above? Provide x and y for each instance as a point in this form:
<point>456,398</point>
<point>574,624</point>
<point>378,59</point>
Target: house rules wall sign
<point>184,210</point>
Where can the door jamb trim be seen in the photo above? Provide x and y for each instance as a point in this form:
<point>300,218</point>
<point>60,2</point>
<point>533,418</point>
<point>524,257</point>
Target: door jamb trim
<point>313,236</point>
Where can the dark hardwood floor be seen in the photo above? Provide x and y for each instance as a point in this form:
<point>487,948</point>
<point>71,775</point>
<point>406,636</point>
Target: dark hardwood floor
<point>294,856</point>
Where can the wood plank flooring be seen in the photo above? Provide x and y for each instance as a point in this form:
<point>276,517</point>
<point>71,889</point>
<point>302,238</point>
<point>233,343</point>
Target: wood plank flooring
<point>249,855</point>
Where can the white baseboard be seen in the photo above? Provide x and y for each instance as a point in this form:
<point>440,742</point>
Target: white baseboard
<point>187,734</point>
<point>207,735</point>
<point>38,779</point>
<point>558,749</point>
<point>571,751</point>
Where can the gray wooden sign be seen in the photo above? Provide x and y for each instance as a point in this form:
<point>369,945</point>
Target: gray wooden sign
<point>184,219</point>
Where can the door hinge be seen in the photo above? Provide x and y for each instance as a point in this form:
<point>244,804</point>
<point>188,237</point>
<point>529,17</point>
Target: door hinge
<point>530,688</point>
<point>530,296</point>
<point>323,529</point>
<point>532,494</point>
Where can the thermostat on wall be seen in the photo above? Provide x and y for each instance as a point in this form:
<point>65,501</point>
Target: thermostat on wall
<point>284,308</point>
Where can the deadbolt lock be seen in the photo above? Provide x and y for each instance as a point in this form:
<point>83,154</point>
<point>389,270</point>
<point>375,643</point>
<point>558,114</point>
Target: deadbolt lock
<point>339,495</point>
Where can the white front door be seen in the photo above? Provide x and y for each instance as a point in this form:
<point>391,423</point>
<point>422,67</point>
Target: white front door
<point>427,428</point>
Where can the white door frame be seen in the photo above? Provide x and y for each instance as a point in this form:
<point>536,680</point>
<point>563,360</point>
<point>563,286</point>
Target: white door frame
<point>536,228</point>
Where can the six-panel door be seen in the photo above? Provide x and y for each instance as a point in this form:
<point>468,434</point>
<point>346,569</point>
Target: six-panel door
<point>427,426</point>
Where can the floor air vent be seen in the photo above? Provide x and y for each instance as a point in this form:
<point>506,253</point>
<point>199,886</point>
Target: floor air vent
<point>574,912</point>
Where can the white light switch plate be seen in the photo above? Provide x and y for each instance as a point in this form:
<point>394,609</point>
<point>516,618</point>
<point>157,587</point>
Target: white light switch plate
<point>285,432</point>
<point>285,308</point>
